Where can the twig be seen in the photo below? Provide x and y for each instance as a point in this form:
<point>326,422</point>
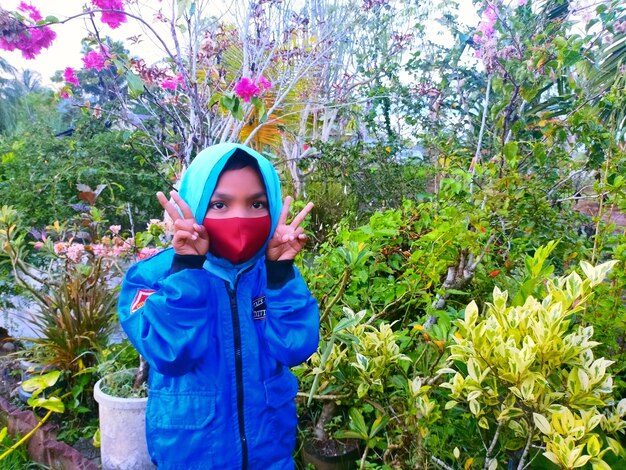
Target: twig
<point>520,466</point>
<point>492,446</point>
<point>323,397</point>
<point>441,463</point>
<point>481,133</point>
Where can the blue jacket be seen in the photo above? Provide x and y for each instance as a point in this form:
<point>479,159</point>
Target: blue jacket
<point>220,340</point>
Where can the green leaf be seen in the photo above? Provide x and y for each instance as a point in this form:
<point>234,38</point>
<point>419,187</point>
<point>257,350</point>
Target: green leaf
<point>615,446</point>
<point>227,101</point>
<point>542,424</point>
<point>135,84</point>
<point>96,439</point>
<point>379,424</point>
<point>528,93</point>
<point>52,404</point>
<point>3,433</point>
<point>510,150</point>
<point>259,105</point>
<point>237,110</point>
<point>357,422</point>
<point>599,464</point>
<point>51,19</point>
<point>348,435</point>
<point>347,322</point>
<point>593,446</point>
<point>41,382</point>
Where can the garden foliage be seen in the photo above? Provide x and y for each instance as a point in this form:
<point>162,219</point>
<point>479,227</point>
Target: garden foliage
<point>486,167</point>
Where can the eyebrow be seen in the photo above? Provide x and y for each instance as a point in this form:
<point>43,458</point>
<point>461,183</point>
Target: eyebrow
<point>259,195</point>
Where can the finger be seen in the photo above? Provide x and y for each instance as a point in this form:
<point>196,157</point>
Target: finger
<point>284,212</point>
<point>183,236</point>
<point>201,231</point>
<point>186,225</point>
<point>168,206</point>
<point>297,220</point>
<point>292,235</point>
<point>187,214</point>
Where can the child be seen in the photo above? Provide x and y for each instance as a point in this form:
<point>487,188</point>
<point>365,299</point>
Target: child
<point>221,317</point>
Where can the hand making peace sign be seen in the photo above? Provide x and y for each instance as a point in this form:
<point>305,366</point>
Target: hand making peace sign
<point>288,239</point>
<point>190,238</point>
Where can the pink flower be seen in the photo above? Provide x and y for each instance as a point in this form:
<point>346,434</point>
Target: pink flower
<point>64,93</point>
<point>246,89</point>
<point>115,229</point>
<point>99,249</point>
<point>112,18</point>
<point>60,247</point>
<point>29,43</point>
<point>32,11</point>
<point>170,83</point>
<point>74,252</point>
<point>521,3</point>
<point>38,245</point>
<point>147,252</point>
<point>264,83</point>
<point>120,249</point>
<point>69,76</point>
<point>94,60</point>
<point>491,13</point>
<point>487,29</point>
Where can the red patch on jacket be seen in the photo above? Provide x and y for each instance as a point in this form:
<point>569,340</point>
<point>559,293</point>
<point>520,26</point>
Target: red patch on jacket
<point>140,299</point>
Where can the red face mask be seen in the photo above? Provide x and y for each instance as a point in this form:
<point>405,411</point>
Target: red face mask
<point>237,239</point>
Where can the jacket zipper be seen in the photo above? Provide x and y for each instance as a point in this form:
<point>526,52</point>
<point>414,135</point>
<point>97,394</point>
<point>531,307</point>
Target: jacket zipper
<point>232,293</point>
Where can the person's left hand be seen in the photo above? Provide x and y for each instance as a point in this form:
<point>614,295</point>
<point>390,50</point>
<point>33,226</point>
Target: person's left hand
<point>288,239</point>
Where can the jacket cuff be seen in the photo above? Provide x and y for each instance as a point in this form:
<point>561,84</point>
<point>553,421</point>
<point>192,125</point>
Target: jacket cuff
<point>181,262</point>
<point>278,273</point>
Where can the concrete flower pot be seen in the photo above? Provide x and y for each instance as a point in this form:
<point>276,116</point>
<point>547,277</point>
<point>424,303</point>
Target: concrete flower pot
<point>122,431</point>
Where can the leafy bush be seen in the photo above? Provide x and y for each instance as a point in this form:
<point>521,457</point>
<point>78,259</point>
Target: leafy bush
<point>40,172</point>
<point>529,378</point>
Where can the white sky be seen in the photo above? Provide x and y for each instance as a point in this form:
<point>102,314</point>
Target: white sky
<point>65,50</point>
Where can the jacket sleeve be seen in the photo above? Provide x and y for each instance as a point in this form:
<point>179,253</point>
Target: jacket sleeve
<point>166,319</point>
<point>292,321</point>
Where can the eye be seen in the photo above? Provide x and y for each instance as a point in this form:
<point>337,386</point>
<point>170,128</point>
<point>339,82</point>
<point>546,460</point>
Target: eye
<point>217,205</point>
<point>259,205</point>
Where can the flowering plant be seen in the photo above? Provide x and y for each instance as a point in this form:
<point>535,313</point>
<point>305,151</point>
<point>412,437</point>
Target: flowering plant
<point>72,277</point>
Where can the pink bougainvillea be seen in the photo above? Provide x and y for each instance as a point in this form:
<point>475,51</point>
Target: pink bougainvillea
<point>246,89</point>
<point>484,40</point>
<point>170,83</point>
<point>32,11</point>
<point>94,60</point>
<point>112,18</point>
<point>264,83</point>
<point>69,76</point>
<point>24,36</point>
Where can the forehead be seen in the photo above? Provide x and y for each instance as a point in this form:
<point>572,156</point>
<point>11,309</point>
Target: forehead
<point>240,182</point>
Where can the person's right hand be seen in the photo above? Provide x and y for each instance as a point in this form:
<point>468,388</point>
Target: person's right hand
<point>189,237</point>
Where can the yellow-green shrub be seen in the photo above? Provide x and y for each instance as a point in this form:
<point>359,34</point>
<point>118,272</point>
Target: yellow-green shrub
<point>528,375</point>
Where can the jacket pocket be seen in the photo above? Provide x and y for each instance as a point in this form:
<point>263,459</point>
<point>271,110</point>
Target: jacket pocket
<point>281,389</point>
<point>276,421</point>
<point>180,410</point>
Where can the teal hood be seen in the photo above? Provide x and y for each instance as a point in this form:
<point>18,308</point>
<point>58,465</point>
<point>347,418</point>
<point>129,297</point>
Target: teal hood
<point>200,179</point>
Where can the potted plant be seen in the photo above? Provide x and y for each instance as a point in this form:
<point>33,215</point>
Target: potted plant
<point>121,411</point>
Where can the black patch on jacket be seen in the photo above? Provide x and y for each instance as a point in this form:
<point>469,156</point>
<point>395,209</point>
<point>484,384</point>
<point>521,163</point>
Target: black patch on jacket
<point>258,308</point>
